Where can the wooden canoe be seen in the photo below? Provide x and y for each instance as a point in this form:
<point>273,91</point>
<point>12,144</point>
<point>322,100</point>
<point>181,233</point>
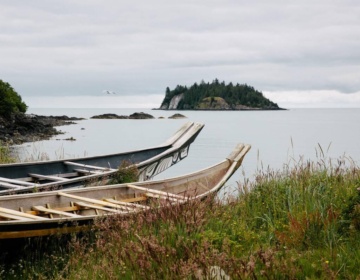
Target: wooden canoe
<point>56,174</point>
<point>71,210</point>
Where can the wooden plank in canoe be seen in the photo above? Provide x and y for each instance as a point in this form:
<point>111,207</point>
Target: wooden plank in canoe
<point>88,166</point>
<point>84,171</point>
<point>21,214</point>
<point>66,175</point>
<point>178,197</point>
<point>54,211</point>
<point>91,200</point>
<point>17,182</point>
<point>122,207</point>
<point>134,199</point>
<point>10,186</point>
<point>14,217</point>
<point>161,196</point>
<point>47,177</point>
<point>97,207</point>
<point>126,204</point>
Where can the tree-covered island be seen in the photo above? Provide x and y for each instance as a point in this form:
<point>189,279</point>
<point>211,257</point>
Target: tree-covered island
<point>216,96</point>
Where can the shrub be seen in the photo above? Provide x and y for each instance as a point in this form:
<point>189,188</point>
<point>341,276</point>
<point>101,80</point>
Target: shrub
<point>126,173</point>
<point>10,101</point>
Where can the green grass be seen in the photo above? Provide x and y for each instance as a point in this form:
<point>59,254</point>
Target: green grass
<point>300,223</point>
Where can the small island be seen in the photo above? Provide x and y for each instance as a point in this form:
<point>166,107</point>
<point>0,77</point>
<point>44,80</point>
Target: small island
<point>177,116</point>
<point>134,116</point>
<point>216,96</point>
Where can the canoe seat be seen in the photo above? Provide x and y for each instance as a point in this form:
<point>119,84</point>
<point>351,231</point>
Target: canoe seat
<point>153,192</point>
<point>16,181</point>
<point>54,211</point>
<point>14,217</point>
<point>160,196</point>
<point>20,214</point>
<point>84,171</point>
<point>89,166</point>
<point>90,200</point>
<point>134,199</point>
<point>10,186</point>
<point>47,177</point>
<point>97,207</point>
<point>127,205</point>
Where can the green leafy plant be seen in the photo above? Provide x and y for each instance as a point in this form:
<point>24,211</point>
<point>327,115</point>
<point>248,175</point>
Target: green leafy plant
<point>126,173</point>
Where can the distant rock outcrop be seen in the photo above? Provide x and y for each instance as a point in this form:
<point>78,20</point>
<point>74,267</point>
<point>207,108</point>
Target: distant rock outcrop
<point>109,116</point>
<point>177,116</point>
<point>134,116</point>
<point>141,116</point>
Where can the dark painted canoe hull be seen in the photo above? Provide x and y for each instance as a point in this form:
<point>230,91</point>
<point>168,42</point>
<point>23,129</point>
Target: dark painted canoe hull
<point>149,162</point>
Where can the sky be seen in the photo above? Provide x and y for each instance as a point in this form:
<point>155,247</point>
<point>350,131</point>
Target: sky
<point>66,53</point>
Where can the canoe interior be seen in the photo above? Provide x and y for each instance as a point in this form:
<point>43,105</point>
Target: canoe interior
<point>185,186</point>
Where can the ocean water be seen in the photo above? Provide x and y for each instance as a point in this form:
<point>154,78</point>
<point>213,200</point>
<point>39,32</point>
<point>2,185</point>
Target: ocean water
<point>276,137</point>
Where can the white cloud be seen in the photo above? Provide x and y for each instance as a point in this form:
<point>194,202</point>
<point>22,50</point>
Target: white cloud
<point>67,48</point>
<point>314,99</point>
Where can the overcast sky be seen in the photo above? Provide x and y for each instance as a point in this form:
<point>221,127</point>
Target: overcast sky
<point>298,53</point>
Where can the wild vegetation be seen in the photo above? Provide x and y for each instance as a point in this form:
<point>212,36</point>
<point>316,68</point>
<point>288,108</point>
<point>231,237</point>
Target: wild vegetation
<point>126,173</point>
<point>235,96</point>
<point>5,154</point>
<point>10,101</point>
<point>302,222</point>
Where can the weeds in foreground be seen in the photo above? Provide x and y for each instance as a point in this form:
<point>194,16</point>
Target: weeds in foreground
<point>301,223</point>
<point>5,154</point>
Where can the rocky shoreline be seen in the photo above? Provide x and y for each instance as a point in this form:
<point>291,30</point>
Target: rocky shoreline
<point>21,128</point>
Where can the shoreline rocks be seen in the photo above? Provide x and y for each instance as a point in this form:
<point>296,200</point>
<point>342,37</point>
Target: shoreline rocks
<point>109,117</point>
<point>21,128</point>
<point>177,116</point>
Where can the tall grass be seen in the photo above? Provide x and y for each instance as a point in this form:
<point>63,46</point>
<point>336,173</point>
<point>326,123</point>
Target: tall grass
<point>5,154</point>
<point>302,222</point>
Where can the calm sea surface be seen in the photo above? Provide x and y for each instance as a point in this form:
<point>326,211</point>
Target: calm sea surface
<point>276,137</point>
